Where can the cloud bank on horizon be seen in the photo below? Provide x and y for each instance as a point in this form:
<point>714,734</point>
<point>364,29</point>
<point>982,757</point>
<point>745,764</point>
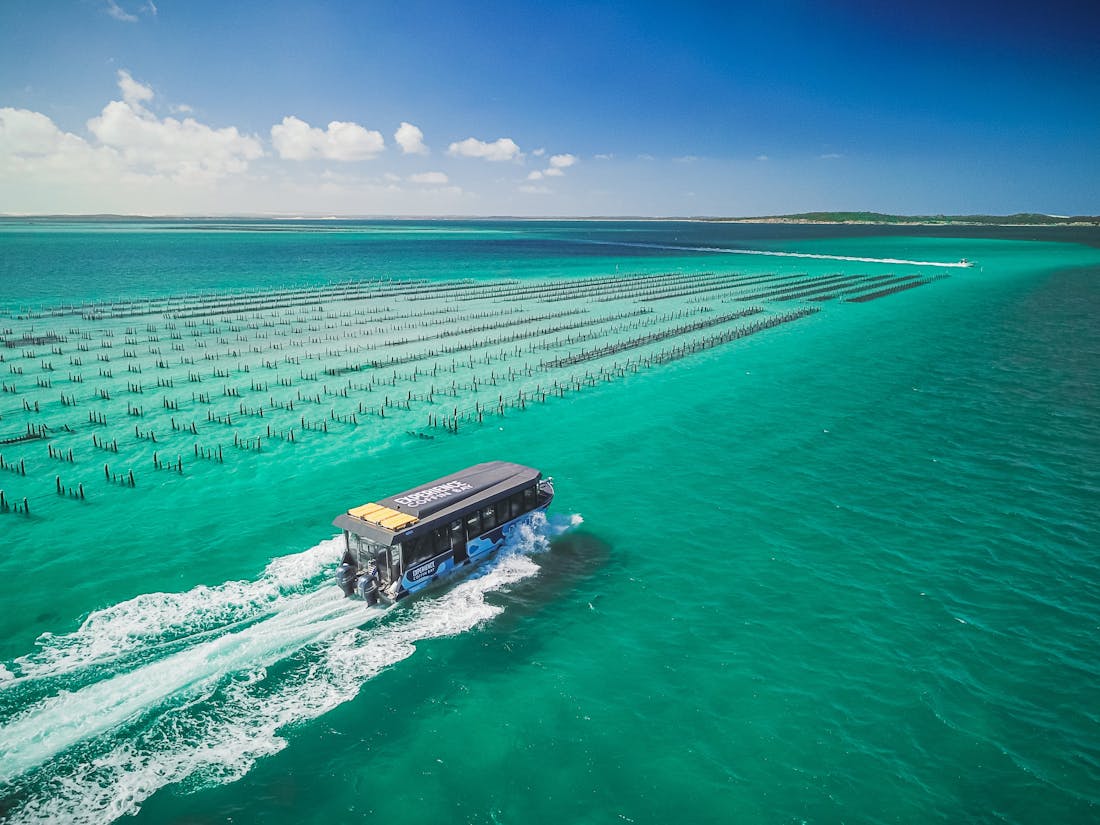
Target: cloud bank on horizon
<point>142,156</point>
<point>333,108</point>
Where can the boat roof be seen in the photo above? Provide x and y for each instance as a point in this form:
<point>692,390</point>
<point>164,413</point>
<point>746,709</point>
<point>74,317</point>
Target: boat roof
<point>414,512</point>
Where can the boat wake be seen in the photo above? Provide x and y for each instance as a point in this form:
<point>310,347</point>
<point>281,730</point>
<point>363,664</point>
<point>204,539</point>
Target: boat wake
<point>963,264</point>
<point>197,686</point>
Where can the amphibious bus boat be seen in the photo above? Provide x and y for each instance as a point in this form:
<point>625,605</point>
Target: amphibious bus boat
<point>407,542</point>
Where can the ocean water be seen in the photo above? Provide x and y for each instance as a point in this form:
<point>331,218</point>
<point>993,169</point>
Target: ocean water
<point>840,569</point>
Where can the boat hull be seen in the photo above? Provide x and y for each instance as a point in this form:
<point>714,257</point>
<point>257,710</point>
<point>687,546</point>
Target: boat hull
<point>437,571</point>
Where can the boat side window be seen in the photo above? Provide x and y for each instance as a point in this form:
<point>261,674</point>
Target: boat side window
<point>418,549</point>
<point>530,498</point>
<point>473,525</point>
<point>440,541</point>
<point>489,517</point>
<point>515,503</point>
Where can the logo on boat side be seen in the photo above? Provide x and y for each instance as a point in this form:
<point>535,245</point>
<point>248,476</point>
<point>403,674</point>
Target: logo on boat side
<point>421,572</point>
<point>433,493</point>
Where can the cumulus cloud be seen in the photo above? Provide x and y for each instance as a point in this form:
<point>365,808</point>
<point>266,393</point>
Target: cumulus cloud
<point>134,94</point>
<point>410,139</point>
<point>44,169</point>
<point>500,149</point>
<point>558,163</point>
<point>538,153</point>
<point>185,149</point>
<point>294,139</point>
<point>437,178</point>
<point>27,137</point>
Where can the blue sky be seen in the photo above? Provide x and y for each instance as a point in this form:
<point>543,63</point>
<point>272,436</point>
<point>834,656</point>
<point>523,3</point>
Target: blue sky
<point>739,108</point>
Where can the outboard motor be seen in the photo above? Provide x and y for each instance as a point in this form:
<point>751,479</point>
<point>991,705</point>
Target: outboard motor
<point>367,588</point>
<point>345,578</point>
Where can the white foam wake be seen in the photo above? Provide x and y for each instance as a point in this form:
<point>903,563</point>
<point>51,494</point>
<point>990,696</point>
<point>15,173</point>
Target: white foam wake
<point>902,261</point>
<point>210,711</point>
<point>154,620</point>
<point>818,256</point>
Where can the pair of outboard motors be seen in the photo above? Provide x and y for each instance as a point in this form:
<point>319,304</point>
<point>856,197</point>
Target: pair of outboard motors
<point>365,586</point>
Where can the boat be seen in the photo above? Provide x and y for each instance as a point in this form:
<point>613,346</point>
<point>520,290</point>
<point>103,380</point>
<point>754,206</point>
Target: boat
<point>408,542</point>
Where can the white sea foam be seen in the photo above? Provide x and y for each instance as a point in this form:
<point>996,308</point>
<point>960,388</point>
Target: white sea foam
<point>153,620</point>
<point>823,257</point>
<point>215,708</point>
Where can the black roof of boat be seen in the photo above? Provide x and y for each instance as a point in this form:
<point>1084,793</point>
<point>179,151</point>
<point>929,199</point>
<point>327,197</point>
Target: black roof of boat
<point>428,505</point>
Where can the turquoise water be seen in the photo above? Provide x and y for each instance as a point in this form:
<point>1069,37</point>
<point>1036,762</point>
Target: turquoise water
<point>842,569</point>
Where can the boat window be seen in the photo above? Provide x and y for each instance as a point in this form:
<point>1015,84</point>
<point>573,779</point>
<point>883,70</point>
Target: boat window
<point>473,525</point>
<point>489,517</point>
<point>515,503</point>
<point>418,549</point>
<point>440,540</point>
<point>530,498</point>
<point>457,534</point>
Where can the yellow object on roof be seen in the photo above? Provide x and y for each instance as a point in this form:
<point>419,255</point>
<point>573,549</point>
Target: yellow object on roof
<point>383,516</point>
<point>365,510</point>
<point>398,522</point>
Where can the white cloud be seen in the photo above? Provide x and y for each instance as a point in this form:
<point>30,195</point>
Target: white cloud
<point>498,150</point>
<point>43,169</point>
<point>28,137</point>
<point>133,93</point>
<point>762,157</point>
<point>410,139</point>
<point>558,163</point>
<point>118,13</point>
<point>538,153</point>
<point>830,156</point>
<point>607,156</point>
<point>294,139</point>
<point>437,178</point>
<point>534,190</point>
<point>645,156</point>
<point>132,161</point>
<point>186,150</point>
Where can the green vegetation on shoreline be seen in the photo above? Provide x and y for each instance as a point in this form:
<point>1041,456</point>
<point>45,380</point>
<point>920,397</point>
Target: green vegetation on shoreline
<point>1019,219</point>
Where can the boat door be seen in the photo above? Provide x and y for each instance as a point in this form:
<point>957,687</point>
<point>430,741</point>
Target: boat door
<point>458,541</point>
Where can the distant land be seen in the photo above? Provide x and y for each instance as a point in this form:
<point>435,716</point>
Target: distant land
<point>1019,219</point>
